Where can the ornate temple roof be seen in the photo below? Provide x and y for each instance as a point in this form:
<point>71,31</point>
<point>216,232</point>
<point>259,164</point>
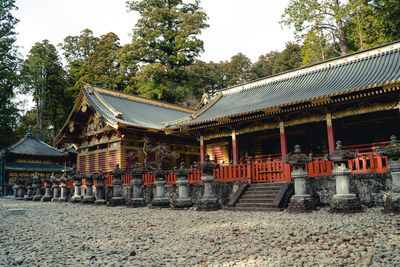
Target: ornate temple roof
<point>34,167</point>
<point>30,145</point>
<point>375,67</point>
<point>126,109</point>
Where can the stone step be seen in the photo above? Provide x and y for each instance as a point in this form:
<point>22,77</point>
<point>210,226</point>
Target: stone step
<point>262,185</point>
<point>262,200</point>
<point>253,209</point>
<point>261,191</point>
<point>255,205</point>
<point>260,196</point>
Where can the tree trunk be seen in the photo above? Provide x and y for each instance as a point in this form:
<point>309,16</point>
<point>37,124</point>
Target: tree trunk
<point>344,50</point>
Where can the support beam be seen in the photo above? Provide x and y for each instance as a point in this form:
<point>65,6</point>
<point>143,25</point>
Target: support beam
<point>283,139</point>
<point>202,149</point>
<point>331,134</point>
<point>235,151</point>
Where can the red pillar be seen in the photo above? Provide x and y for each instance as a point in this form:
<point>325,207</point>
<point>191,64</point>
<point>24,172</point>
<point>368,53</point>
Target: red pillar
<point>202,150</point>
<point>235,151</point>
<point>283,140</point>
<point>331,134</point>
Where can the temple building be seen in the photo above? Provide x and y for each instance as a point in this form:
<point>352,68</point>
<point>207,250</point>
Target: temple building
<point>28,156</point>
<point>354,98</point>
<point>111,127</point>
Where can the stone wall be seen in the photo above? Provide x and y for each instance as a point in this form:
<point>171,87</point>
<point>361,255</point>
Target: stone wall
<point>224,192</point>
<point>368,187</point>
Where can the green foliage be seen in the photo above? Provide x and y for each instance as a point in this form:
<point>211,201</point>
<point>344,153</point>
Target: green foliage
<point>289,58</point>
<point>9,80</point>
<point>264,66</point>
<point>164,43</point>
<point>239,70</point>
<point>44,77</point>
<point>363,28</point>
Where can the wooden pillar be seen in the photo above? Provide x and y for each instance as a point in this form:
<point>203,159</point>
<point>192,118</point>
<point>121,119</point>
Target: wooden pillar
<point>202,149</point>
<point>331,134</point>
<point>235,150</point>
<point>283,139</point>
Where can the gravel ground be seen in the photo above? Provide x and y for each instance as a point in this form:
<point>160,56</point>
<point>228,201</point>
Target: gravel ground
<point>55,234</point>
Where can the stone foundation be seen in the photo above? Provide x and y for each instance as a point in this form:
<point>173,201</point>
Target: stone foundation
<point>391,202</point>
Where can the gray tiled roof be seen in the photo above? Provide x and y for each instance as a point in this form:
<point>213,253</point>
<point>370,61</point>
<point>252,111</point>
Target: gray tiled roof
<point>351,73</point>
<point>30,145</point>
<point>134,110</point>
<point>16,166</point>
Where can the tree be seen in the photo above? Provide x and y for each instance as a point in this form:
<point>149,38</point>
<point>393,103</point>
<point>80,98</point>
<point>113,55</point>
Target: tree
<point>322,16</point>
<point>165,41</point>
<point>264,66</point>
<point>388,12</point>
<point>239,70</point>
<point>289,58</point>
<point>9,80</point>
<point>43,75</point>
<point>363,28</point>
<point>77,51</point>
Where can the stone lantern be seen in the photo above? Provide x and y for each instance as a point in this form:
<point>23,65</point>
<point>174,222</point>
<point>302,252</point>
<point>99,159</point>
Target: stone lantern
<point>77,177</point>
<point>37,181</point>
<point>209,200</point>
<point>63,186</point>
<point>20,188</point>
<point>301,201</point>
<point>88,198</point>
<point>117,198</point>
<point>160,200</point>
<point>391,200</point>
<point>100,188</point>
<point>55,186</point>
<point>182,182</point>
<point>28,195</point>
<point>137,199</point>
<point>343,201</point>
<point>47,190</point>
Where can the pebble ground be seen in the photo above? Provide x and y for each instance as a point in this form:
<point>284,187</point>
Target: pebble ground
<point>64,234</point>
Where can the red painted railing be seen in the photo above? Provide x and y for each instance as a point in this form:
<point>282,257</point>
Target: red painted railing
<point>268,171</point>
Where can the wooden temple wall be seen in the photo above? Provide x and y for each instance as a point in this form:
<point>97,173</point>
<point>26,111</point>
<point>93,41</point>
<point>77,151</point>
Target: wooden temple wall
<point>220,150</point>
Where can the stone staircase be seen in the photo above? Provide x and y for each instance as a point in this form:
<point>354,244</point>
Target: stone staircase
<point>261,197</point>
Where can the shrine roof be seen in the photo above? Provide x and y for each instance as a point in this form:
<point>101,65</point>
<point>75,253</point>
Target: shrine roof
<point>34,167</point>
<point>362,70</point>
<point>127,109</point>
<point>30,145</point>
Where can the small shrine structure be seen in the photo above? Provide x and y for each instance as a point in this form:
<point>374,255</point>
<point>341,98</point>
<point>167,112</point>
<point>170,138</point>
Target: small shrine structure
<point>28,156</point>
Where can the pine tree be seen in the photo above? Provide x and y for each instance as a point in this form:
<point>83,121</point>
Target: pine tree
<point>9,80</point>
<point>165,41</point>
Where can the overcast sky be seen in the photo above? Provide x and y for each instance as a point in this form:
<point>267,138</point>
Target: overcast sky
<point>247,26</point>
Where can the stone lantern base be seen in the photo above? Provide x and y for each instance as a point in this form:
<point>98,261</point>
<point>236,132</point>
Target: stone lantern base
<point>45,198</point>
<point>182,203</point>
<point>391,202</point>
<point>37,198</point>
<point>75,199</point>
<point>136,203</point>
<point>28,197</point>
<point>62,199</point>
<point>345,203</point>
<point>116,201</point>
<point>55,199</point>
<point>100,202</point>
<point>302,203</point>
<point>161,202</point>
<point>88,199</point>
<point>208,204</point>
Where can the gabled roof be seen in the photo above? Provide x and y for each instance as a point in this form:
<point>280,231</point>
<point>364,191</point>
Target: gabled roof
<point>119,109</point>
<point>358,71</point>
<point>35,167</point>
<point>126,109</point>
<point>30,145</point>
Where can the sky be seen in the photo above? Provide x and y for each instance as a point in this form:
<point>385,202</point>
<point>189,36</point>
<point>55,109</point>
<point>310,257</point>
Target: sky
<point>248,26</point>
